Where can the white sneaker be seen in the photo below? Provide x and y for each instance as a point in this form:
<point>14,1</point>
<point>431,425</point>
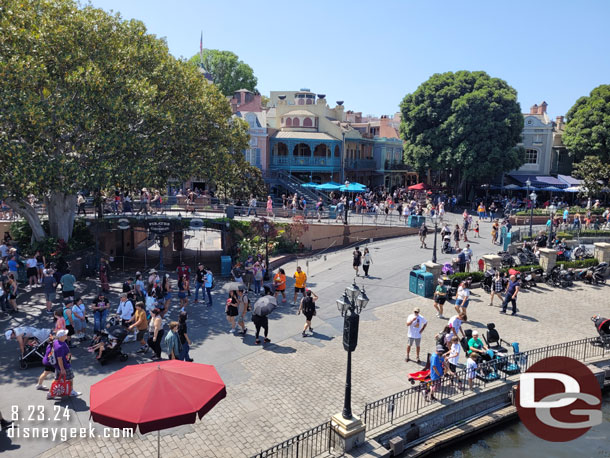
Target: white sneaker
<point>42,388</point>
<point>130,338</point>
<point>75,393</point>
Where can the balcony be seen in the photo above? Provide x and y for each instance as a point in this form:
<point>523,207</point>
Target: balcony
<point>305,162</point>
<point>360,164</point>
<point>395,166</point>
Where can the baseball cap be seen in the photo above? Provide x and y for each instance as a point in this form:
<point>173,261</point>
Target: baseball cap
<point>416,309</point>
<point>62,332</point>
<point>440,348</point>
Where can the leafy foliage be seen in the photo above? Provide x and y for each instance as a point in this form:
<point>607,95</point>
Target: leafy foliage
<point>592,170</point>
<point>228,72</point>
<point>51,247</point>
<point>587,131</point>
<point>465,121</point>
<point>89,100</point>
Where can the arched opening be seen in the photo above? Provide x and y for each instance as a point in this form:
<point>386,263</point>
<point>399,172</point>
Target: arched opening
<point>309,101</point>
<point>307,122</point>
<point>302,149</point>
<point>288,122</point>
<point>295,122</point>
<point>320,150</point>
<point>301,101</point>
<point>280,149</point>
<point>337,151</point>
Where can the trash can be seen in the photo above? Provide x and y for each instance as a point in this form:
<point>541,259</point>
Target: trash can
<point>425,284</point>
<point>230,211</point>
<point>225,266</point>
<point>416,221</point>
<point>332,212</point>
<point>413,280</point>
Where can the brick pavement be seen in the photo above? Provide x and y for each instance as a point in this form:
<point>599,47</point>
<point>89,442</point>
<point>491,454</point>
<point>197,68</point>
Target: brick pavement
<point>295,385</point>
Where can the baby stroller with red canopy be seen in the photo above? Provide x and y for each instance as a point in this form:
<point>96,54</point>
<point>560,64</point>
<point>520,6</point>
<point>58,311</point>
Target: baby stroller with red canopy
<point>603,329</point>
<point>421,376</point>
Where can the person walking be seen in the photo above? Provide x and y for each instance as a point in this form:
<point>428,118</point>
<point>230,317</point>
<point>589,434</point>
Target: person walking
<point>357,254</point>
<point>497,286</point>
<point>468,254</point>
<point>243,305</point>
<point>511,295</point>
<point>172,343</point>
<point>252,205</point>
<point>63,358</point>
<point>232,310</point>
<point>199,281</point>
<point>261,322</point>
<point>463,298</point>
<point>300,281</point>
<point>80,202</point>
<point>140,325</point>
<point>257,273</point>
<point>279,280</point>
<point>100,309</point>
<point>270,207</point>
<point>155,332</point>
<point>366,262</point>
<point>416,324</point>
<point>423,232</point>
<point>185,341</point>
<point>456,236</point>
<point>308,307</point>
<point>208,284</point>
<point>49,286</point>
<point>440,296</point>
<point>67,281</point>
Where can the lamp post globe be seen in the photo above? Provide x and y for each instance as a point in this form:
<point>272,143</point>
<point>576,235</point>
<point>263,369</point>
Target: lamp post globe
<point>533,197</point>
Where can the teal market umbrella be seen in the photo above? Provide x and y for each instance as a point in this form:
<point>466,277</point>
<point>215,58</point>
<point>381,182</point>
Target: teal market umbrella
<point>310,185</point>
<point>330,186</point>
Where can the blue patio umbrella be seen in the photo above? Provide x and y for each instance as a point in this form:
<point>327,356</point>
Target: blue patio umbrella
<point>552,189</point>
<point>330,186</point>
<point>353,187</point>
<point>311,184</point>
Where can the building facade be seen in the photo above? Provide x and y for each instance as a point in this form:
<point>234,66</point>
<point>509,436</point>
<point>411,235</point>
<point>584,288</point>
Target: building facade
<point>247,106</point>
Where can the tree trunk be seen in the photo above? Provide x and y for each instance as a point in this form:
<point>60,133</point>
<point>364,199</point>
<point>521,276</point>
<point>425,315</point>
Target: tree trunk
<point>61,210</point>
<point>23,208</point>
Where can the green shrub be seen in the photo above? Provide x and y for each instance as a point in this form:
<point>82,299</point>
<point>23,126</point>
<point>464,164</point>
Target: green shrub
<point>476,276</point>
<point>579,264</point>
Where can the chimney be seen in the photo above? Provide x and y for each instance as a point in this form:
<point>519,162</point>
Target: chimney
<point>559,122</point>
<point>534,109</point>
<point>542,108</point>
<point>384,121</point>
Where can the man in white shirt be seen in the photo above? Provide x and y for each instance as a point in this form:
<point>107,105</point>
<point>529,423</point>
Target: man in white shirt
<point>125,310</point>
<point>468,252</point>
<point>416,325</point>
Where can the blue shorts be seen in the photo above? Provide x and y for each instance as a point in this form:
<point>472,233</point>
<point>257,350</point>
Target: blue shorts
<point>182,294</point>
<point>458,303</point>
<point>168,296</point>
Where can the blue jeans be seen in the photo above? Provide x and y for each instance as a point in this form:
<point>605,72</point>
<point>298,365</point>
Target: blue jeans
<point>197,287</point>
<point>257,286</point>
<point>99,320</point>
<point>184,353</point>
<point>251,209</point>
<point>208,291</point>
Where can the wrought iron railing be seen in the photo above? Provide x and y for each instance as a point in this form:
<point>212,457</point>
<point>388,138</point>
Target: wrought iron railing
<point>418,399</point>
<point>313,442</point>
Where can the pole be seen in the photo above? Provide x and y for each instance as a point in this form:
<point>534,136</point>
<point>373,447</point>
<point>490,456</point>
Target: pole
<point>347,402</point>
<point>434,250</point>
<point>158,443</point>
<point>531,215</point>
<point>266,257</point>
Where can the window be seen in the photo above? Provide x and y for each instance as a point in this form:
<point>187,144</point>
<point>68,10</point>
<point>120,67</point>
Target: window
<point>538,138</point>
<point>531,156</point>
<point>288,122</point>
<point>307,122</point>
<point>258,157</point>
<point>295,122</point>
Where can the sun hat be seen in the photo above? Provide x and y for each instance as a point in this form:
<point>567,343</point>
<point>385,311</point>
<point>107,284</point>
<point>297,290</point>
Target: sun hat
<point>62,332</point>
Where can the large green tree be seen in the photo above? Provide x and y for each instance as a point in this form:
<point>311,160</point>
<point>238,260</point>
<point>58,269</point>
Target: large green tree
<point>89,100</point>
<point>587,131</point>
<point>228,72</point>
<point>467,122</point>
<point>593,172</point>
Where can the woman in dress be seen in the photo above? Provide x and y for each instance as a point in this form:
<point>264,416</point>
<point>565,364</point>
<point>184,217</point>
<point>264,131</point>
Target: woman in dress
<point>270,207</point>
<point>40,263</point>
<point>231,310</point>
<point>104,275</point>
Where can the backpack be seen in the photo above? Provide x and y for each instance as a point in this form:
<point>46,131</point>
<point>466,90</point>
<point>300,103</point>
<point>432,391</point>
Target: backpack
<point>49,358</point>
<point>309,305</point>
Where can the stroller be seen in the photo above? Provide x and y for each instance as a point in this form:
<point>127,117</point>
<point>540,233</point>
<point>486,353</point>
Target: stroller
<point>421,376</point>
<point>119,333</point>
<point>603,329</point>
<point>447,248</point>
<point>453,287</point>
<point>488,370</point>
<point>509,365</point>
<point>33,352</point>
<point>488,279</point>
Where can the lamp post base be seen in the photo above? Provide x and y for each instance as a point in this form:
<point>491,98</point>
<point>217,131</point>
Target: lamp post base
<point>351,432</point>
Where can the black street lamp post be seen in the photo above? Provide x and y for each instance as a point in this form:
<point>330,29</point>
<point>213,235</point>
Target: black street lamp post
<point>552,209</point>
<point>352,303</point>
<point>533,197</point>
<point>266,229</point>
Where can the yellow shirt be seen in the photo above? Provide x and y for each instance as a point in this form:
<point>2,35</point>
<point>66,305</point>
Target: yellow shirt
<point>300,279</point>
<point>141,315</point>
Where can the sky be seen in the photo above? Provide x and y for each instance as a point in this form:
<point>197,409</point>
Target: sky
<point>370,54</point>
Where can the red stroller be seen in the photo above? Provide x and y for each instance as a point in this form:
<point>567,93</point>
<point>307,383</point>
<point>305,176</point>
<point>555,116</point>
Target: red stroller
<point>421,376</point>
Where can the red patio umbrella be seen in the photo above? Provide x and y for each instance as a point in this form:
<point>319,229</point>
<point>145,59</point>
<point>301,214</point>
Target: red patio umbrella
<point>417,187</point>
<point>156,396</point>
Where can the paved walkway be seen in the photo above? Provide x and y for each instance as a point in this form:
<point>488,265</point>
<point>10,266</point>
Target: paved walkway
<point>281,389</point>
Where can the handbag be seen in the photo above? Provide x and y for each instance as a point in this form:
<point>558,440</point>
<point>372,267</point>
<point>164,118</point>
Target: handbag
<point>61,387</point>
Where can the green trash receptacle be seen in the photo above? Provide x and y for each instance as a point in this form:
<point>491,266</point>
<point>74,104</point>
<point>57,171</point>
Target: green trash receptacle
<point>225,266</point>
<point>413,281</point>
<point>230,211</point>
<point>425,286</point>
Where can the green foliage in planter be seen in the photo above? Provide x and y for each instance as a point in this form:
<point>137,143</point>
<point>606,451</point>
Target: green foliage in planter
<point>476,276</point>
<point>50,247</point>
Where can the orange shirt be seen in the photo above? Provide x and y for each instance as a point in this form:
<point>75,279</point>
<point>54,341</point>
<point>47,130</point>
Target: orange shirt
<point>280,282</point>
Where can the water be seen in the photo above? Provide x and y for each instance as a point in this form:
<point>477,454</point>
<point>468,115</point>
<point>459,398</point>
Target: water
<point>513,440</point>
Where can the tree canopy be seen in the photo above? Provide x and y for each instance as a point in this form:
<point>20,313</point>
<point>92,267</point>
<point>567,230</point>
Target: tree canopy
<point>587,131</point>
<point>593,172</point>
<point>465,121</point>
<point>89,100</point>
<point>228,72</point>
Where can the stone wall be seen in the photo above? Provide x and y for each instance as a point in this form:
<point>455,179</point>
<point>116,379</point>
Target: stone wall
<point>321,236</point>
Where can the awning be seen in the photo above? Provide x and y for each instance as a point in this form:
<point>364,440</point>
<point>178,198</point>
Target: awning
<point>569,180</point>
<point>539,181</point>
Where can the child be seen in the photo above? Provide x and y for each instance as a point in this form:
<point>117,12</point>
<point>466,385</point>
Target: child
<point>100,346</point>
<point>476,230</point>
<point>60,322</point>
<point>471,368</point>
